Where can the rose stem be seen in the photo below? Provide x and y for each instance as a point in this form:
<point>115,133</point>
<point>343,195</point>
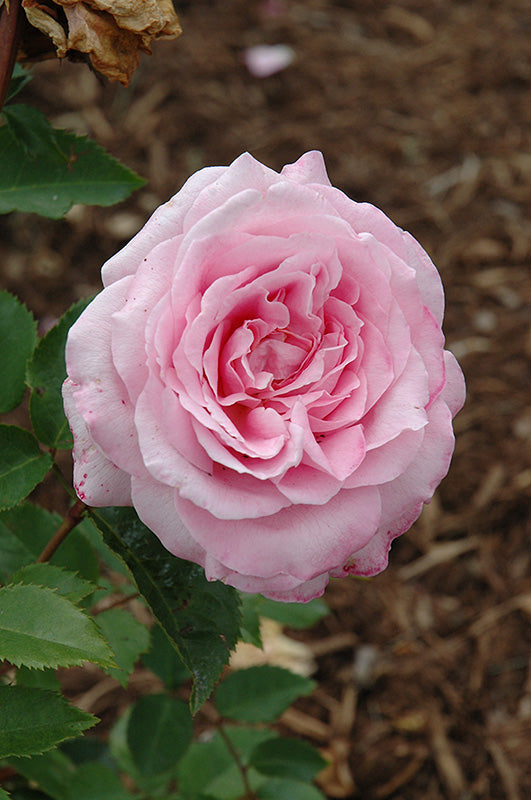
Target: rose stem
<point>236,756</point>
<point>10,31</point>
<point>72,519</point>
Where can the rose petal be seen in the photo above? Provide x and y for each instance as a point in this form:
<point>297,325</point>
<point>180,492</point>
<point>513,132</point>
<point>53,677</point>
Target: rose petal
<point>97,481</point>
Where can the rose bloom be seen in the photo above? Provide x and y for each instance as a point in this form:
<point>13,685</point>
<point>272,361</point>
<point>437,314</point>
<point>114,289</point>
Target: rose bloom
<point>264,379</point>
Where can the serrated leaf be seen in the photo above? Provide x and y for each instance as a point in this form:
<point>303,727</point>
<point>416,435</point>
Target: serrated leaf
<point>95,782</point>
<point>32,131</point>
<point>74,170</point>
<point>67,583</point>
<point>27,529</point>
<point>284,789</point>
<point>159,733</point>
<point>285,757</point>
<point>39,628</point>
<point>22,465</point>
<point>45,375</point>
<point>201,619</point>
<point>163,659</point>
<point>294,615</point>
<point>127,637</point>
<point>209,767</point>
<point>50,771</point>
<point>35,720</point>
<point>260,694</point>
<point>17,340</point>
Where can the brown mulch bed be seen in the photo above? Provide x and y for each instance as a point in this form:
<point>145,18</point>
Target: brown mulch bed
<point>425,110</point>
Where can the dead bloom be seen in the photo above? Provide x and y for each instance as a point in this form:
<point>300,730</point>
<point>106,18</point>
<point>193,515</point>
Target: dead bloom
<point>112,33</point>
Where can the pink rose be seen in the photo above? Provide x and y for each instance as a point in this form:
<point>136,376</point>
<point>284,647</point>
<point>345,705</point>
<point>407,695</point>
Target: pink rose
<point>264,379</point>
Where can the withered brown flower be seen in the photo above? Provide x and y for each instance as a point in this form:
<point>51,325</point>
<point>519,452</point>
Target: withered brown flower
<point>111,33</point>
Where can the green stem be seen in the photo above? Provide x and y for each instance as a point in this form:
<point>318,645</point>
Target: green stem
<point>10,31</point>
<point>72,519</point>
<point>249,794</point>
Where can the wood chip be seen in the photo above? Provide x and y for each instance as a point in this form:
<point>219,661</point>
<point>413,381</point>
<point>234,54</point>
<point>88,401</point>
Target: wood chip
<point>438,554</point>
<point>448,767</point>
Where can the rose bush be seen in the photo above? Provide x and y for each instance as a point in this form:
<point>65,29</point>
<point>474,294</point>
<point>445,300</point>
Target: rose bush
<point>264,379</point>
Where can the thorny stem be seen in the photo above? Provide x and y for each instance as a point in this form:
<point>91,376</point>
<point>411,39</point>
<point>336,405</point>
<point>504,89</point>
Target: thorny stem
<point>249,794</point>
<point>72,519</point>
<point>10,31</point>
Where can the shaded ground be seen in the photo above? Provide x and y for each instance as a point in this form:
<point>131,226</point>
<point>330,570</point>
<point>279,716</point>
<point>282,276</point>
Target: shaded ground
<point>423,109</point>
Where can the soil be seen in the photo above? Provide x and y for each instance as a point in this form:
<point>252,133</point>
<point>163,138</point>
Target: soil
<point>424,109</point>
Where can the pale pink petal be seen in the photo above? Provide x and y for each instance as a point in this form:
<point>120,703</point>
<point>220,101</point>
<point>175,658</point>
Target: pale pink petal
<point>454,390</point>
<point>303,540</point>
<point>151,281</point>
<point>284,588</point>
<point>154,504</point>
<point>264,60</point>
<point>402,498</point>
<point>165,223</point>
<point>401,407</point>
<point>97,481</point>
<point>171,454</point>
<point>100,394</point>
<point>309,168</point>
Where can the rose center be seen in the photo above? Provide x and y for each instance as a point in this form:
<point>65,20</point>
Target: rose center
<point>281,354</point>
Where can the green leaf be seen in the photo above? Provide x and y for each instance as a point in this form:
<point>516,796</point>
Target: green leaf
<point>20,78</point>
<point>260,694</point>
<point>87,748</point>
<point>282,789</point>
<point>294,615</point>
<point>93,535</point>
<point>201,619</point>
<point>164,660</point>
<point>4,795</point>
<point>96,782</point>
<point>287,758</point>
<point>159,733</point>
<point>27,529</point>
<point>17,340</point>
<point>35,720</point>
<point>30,129</point>
<point>250,631</point>
<point>45,375</point>
<point>209,767</point>
<point>68,169</point>
<point>50,771</point>
<point>38,679</point>
<point>67,583</point>
<point>128,639</point>
<point>151,785</point>
<point>39,628</point>
<point>22,465</point>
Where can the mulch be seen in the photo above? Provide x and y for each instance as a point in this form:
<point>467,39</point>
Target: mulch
<point>423,109</point>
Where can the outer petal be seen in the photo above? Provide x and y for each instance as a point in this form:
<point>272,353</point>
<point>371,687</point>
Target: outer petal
<point>100,395</point>
<point>309,168</point>
<point>303,541</point>
<point>454,390</point>
<point>402,498</point>
<point>154,504</point>
<point>165,222</point>
<point>97,481</point>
